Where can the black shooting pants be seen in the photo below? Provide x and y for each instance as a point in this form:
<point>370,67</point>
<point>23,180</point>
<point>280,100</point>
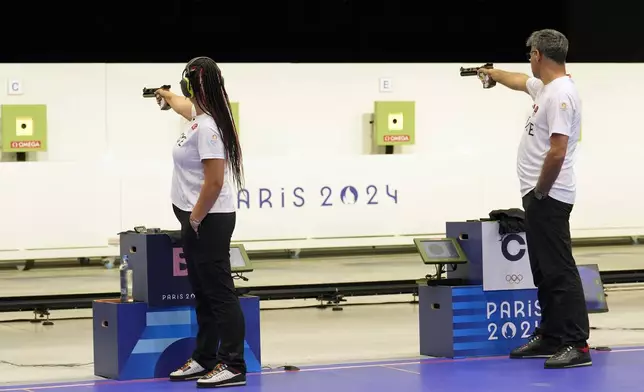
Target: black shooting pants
<point>220,339</point>
<point>564,316</point>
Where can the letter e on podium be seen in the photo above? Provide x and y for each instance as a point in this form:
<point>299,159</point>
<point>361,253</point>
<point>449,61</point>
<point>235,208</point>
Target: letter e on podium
<point>179,267</point>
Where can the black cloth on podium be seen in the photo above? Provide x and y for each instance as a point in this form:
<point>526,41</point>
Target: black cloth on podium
<point>510,221</point>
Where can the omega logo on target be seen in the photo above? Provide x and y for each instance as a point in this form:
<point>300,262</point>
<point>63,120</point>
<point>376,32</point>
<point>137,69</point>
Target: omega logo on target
<point>512,319</point>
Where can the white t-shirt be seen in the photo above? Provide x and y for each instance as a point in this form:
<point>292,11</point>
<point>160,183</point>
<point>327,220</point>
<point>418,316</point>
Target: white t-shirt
<point>200,140</point>
<point>556,109</point>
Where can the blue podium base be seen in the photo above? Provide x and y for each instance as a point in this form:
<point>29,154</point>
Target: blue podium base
<point>133,341</point>
<point>465,321</point>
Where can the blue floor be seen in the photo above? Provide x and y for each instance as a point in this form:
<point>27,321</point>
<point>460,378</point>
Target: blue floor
<point>619,370</point>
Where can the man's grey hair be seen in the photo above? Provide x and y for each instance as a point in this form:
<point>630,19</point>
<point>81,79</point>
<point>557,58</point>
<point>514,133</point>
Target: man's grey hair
<point>550,43</point>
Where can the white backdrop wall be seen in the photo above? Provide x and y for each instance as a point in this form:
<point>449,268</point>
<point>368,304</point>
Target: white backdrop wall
<point>305,135</point>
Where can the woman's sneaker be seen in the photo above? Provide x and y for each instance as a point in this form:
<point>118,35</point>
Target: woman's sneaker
<point>222,376</point>
<point>190,371</point>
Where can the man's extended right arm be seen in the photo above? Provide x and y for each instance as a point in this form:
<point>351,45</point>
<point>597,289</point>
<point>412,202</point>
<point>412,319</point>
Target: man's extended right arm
<point>515,81</point>
<point>512,80</point>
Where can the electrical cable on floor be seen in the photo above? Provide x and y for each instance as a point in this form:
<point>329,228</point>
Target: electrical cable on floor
<point>347,305</point>
<point>287,368</point>
<point>54,365</point>
<point>617,328</point>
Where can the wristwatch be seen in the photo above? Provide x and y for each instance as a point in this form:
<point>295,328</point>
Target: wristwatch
<point>539,196</point>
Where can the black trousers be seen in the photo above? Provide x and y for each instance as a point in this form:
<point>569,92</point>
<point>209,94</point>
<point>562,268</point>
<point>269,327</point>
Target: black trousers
<point>220,339</point>
<point>564,316</point>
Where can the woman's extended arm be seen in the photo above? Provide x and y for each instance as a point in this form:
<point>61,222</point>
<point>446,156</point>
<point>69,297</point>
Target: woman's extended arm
<point>178,103</point>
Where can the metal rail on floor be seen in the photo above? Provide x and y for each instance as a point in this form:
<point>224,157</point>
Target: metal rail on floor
<point>108,255</point>
<point>329,292</point>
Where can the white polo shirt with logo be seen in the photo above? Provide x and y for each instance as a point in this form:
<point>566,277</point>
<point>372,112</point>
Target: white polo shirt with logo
<point>200,140</point>
<point>556,109</point>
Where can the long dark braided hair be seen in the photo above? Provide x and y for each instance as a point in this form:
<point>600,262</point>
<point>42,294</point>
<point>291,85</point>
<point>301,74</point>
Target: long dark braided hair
<point>210,93</point>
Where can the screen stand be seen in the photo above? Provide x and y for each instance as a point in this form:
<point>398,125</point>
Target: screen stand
<point>435,280</point>
<point>438,280</point>
<point>439,274</point>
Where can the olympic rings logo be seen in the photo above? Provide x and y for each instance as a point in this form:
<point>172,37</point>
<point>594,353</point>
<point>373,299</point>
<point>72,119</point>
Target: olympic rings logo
<point>516,279</point>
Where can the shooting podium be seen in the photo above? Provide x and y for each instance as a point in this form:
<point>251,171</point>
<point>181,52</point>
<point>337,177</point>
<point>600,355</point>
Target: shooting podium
<point>487,304</point>
<point>156,333</point>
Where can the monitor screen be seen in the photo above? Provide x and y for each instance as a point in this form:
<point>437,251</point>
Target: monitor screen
<point>440,251</point>
<point>239,261</point>
<point>593,288</point>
